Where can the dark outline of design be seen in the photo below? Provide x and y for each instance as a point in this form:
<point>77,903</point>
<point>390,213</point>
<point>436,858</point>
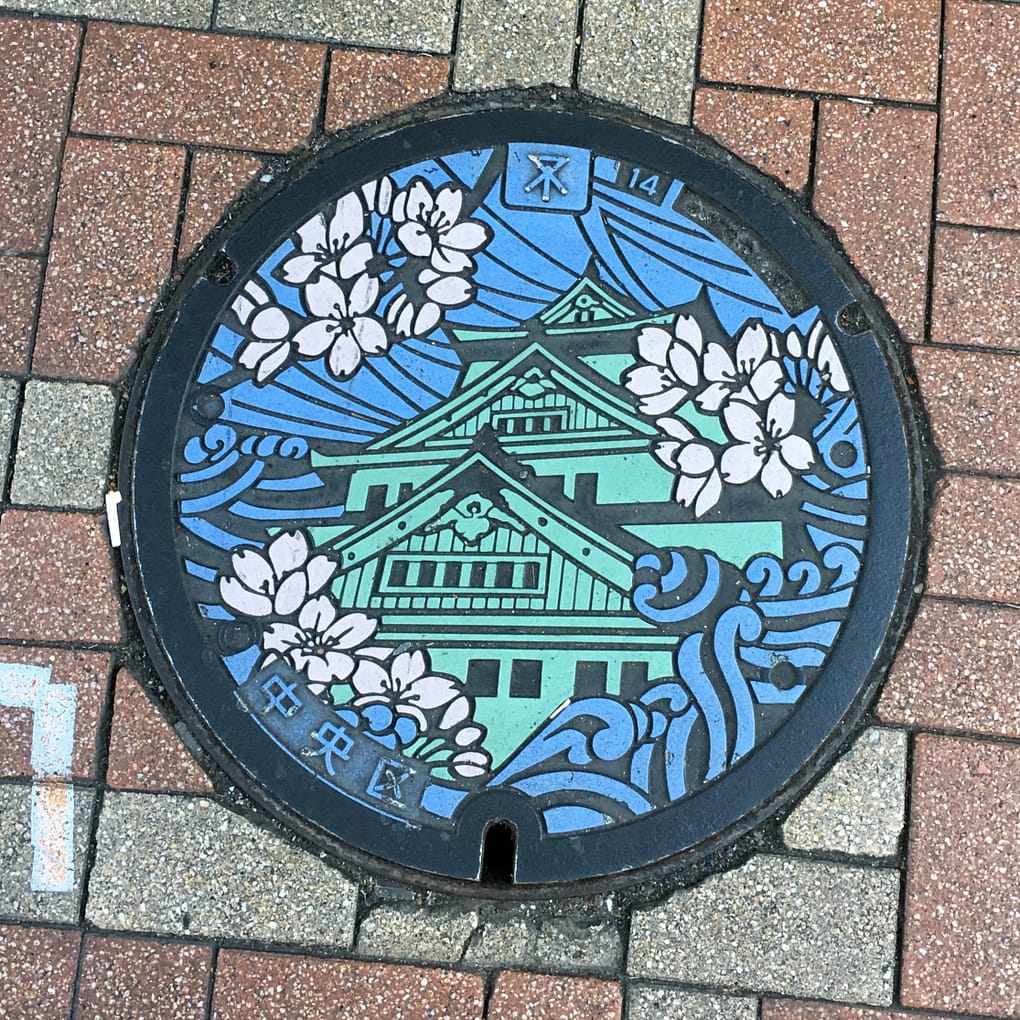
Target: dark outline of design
<point>678,838</point>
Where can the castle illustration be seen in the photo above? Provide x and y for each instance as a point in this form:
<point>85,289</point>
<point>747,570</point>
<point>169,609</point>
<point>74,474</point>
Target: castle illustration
<point>502,527</point>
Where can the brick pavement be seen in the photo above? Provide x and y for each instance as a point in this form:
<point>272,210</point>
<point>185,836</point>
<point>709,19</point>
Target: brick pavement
<point>895,121</point>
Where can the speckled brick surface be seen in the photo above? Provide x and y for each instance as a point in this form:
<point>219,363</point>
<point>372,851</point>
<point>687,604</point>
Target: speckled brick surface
<point>20,280</point>
<point>941,682</point>
<point>263,986</point>
<point>37,63</point>
<point>887,49</point>
<point>877,197</point>
<point>975,298</point>
<point>518,996</point>
<point>979,170</point>
<point>168,86</point>
<point>975,549</point>
<point>216,179</point>
<point>773,132</point>
<point>791,1009</point>
<point>971,398</point>
<point>116,199</point>
<point>364,85</point>
<point>145,752</point>
<point>130,979</point>
<point>37,967</point>
<point>56,581</point>
<point>963,889</point>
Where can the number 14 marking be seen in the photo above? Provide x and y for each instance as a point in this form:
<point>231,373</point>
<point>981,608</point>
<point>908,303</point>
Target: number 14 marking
<point>648,185</point>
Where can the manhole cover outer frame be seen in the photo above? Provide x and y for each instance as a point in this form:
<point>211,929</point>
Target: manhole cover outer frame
<point>888,406</point>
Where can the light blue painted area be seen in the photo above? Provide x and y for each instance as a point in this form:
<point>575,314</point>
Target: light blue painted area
<point>768,694</point>
<point>214,536</point>
<point>199,570</point>
<point>243,664</point>
<point>441,801</point>
<point>573,818</point>
<point>211,612</point>
<point>466,167</point>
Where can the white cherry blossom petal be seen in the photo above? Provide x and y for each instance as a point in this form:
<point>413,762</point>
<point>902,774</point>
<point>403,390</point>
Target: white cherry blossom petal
<point>264,357</point>
<point>281,637</point>
<point>291,594</point>
<point>353,629</point>
<point>667,453</point>
<point>449,260</point>
<point>709,495</point>
<point>363,294</point>
<point>244,600</point>
<point>779,415</point>
<point>752,348</point>
<point>317,615</point>
<point>683,363</point>
<point>676,428</point>
<point>355,260</point>
<point>766,379</point>
<point>347,223</point>
<point>299,269</point>
<point>344,356</point>
<point>742,422</point>
<point>696,459</point>
<point>448,204</point>
<point>312,234</point>
<point>718,365</point>
<point>325,298</point>
<point>646,379</point>
<point>370,335</point>
<point>288,551</point>
<point>687,330</point>
<point>776,477</point>
<point>253,570</point>
<point>449,291</point>
<point>468,236</point>
<point>470,764</point>
<point>661,403</point>
<point>408,666</point>
<point>740,463</point>
<point>370,677</point>
<point>315,337</point>
<point>687,489</point>
<point>797,452</point>
<point>415,239</point>
<point>653,344</point>
<point>432,691</point>
<point>319,570</point>
<point>427,318</point>
<point>330,668</point>
<point>458,710</point>
<point>713,396</point>
<point>468,735</point>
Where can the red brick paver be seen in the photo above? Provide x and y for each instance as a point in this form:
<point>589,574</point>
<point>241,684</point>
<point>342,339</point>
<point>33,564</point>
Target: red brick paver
<point>975,293</point>
<point>37,968</point>
<point>112,246</point>
<point>791,1009</point>
<point>971,399</point>
<point>772,132</point>
<point>519,996</point>
<point>139,979</point>
<point>963,884</point>
<point>364,85</point>
<point>19,280</point>
<point>957,670</point>
<point>270,986</point>
<point>37,62</point>
<point>145,752</point>
<point>89,673</point>
<point>164,85</point>
<point>56,581</point>
<point>975,545</point>
<point>216,178</point>
<point>873,185</point>
<point>979,173</point>
<point>886,49</point>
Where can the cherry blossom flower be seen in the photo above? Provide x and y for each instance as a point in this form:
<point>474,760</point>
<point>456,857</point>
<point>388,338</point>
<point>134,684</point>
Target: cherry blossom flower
<point>341,328</point>
<point>408,320</point>
<point>671,368</point>
<point>277,582</point>
<point>335,245</point>
<point>321,644</point>
<point>269,324</point>
<point>699,484</point>
<point>818,347</point>
<point>429,226</point>
<point>765,446</point>
<point>379,195</point>
<point>406,683</point>
<point>751,376</point>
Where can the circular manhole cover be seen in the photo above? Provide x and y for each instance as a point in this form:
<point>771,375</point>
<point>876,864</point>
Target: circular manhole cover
<point>521,473</point>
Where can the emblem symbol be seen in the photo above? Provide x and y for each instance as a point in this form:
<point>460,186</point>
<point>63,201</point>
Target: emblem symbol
<point>547,167</point>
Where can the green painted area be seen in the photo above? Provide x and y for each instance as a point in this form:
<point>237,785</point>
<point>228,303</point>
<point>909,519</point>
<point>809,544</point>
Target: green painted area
<point>735,542</point>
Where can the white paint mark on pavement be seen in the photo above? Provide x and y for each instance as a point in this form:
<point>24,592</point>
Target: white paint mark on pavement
<point>53,708</point>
